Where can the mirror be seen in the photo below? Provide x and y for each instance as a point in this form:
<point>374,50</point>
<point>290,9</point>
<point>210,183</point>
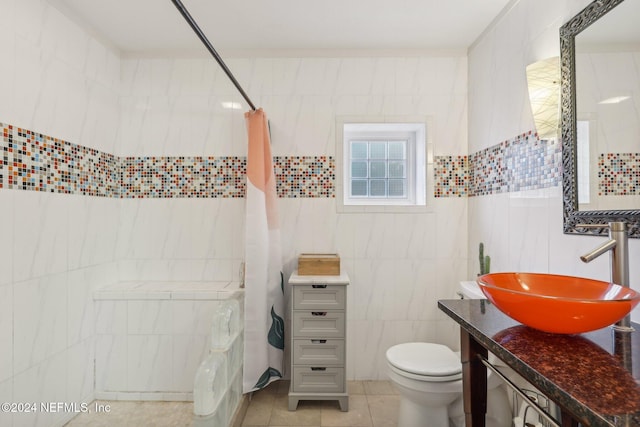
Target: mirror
<point>600,57</point>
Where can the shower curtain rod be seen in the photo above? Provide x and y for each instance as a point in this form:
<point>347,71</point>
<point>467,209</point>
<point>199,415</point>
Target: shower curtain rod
<point>185,13</point>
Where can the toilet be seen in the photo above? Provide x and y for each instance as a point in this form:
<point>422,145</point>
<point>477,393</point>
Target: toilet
<point>428,377</point>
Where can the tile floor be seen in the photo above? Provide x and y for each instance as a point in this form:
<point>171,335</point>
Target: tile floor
<point>371,404</point>
<point>137,414</point>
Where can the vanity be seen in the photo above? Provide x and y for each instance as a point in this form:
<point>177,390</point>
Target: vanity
<point>593,377</point>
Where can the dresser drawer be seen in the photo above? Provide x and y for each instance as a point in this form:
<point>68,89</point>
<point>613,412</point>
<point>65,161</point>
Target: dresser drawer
<point>318,297</point>
<point>318,324</point>
<point>318,379</point>
<point>319,352</point>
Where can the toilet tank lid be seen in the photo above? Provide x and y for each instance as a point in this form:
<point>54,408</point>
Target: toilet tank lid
<point>421,358</point>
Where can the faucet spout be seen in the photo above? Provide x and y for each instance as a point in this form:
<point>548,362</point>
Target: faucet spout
<point>618,247</point>
<point>606,246</point>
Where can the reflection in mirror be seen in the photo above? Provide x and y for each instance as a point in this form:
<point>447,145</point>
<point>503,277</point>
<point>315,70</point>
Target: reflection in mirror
<point>600,61</point>
<point>608,123</point>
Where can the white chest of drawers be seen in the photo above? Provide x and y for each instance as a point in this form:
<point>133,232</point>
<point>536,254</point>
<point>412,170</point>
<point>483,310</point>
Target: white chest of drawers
<point>318,339</point>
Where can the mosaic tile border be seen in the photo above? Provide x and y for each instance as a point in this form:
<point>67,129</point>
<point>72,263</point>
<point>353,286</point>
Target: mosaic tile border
<point>167,177</point>
<point>522,163</point>
<point>37,162</point>
<point>451,176</point>
<point>305,176</point>
<point>619,174</point>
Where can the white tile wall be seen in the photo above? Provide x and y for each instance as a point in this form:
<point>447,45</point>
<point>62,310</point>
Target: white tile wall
<point>81,310</point>
<point>41,236</point>
<point>180,239</point>
<point>111,362</point>
<point>187,354</point>
<point>43,382</point>
<point>80,371</point>
<point>6,395</point>
<point>6,332</point>
<point>149,362</point>
<point>55,248</point>
<point>301,96</point>
<point>151,346</point>
<point>91,225</point>
<point>47,318</point>
<point>40,320</point>
<point>7,74</point>
<point>6,229</point>
<point>51,56</point>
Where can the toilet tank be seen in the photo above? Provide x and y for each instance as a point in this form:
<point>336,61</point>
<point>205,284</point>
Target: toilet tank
<point>470,290</point>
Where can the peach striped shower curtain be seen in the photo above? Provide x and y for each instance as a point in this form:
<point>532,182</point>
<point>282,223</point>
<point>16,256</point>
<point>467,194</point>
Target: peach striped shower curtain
<point>264,287</point>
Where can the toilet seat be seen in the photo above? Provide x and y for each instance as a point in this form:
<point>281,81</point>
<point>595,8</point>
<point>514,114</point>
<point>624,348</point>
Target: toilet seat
<point>425,362</point>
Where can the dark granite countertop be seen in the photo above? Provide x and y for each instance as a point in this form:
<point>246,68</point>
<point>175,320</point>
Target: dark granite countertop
<point>595,376</point>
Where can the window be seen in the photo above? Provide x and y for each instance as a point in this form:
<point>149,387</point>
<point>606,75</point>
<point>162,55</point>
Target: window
<point>384,164</point>
<point>378,168</point>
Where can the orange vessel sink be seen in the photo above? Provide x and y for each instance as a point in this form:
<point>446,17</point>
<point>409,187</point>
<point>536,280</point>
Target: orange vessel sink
<point>558,304</point>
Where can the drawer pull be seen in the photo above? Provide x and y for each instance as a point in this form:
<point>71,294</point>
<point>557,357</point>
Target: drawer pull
<point>318,369</point>
<point>318,341</point>
<point>318,313</point>
<point>319,286</point>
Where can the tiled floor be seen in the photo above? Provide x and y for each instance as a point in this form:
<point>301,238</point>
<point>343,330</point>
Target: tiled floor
<point>371,404</point>
<point>134,414</point>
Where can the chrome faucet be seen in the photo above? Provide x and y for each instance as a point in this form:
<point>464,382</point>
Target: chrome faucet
<point>618,244</point>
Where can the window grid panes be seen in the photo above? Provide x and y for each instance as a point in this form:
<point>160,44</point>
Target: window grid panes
<point>378,169</point>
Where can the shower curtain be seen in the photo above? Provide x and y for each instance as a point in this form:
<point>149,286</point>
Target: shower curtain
<point>264,287</point>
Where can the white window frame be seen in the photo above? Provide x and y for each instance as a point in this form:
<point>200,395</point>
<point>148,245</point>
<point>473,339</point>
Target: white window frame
<point>417,153</point>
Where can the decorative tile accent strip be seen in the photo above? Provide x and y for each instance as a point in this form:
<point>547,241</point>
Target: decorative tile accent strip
<point>33,161</point>
<point>4,151</point>
<point>533,163</point>
<point>523,163</point>
<point>165,177</point>
<point>451,175</point>
<point>619,174</point>
<point>486,171</point>
<point>305,176</point>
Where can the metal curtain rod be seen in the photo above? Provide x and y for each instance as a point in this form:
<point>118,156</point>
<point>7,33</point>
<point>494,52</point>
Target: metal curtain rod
<point>185,13</point>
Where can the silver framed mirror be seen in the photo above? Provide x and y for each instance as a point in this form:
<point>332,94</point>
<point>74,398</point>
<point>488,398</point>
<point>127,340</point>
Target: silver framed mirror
<point>574,210</point>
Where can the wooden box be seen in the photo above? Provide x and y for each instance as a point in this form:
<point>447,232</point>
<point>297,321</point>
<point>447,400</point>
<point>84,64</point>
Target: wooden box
<point>319,265</point>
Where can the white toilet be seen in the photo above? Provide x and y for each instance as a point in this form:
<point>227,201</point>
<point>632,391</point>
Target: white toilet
<point>429,379</point>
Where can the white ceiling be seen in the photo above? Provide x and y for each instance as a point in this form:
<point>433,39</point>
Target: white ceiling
<point>154,26</point>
